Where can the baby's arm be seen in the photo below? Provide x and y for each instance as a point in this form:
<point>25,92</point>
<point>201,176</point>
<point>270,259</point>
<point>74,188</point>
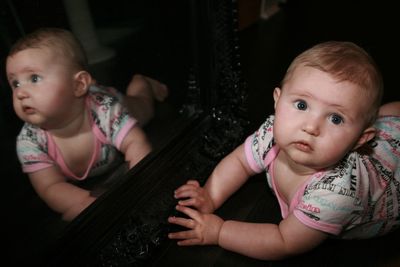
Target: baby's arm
<point>269,241</point>
<point>261,241</point>
<point>59,195</point>
<point>135,146</point>
<point>230,174</point>
<point>256,240</point>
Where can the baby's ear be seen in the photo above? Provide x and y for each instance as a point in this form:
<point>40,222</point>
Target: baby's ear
<point>367,135</point>
<point>82,81</point>
<point>277,95</point>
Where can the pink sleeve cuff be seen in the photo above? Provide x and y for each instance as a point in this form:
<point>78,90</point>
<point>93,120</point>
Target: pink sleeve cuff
<point>35,167</point>
<point>123,132</point>
<point>322,226</point>
<point>249,155</point>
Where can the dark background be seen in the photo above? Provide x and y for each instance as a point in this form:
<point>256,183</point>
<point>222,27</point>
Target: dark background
<point>268,46</point>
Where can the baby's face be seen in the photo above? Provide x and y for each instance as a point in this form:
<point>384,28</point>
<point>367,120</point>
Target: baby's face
<point>42,86</point>
<point>317,119</point>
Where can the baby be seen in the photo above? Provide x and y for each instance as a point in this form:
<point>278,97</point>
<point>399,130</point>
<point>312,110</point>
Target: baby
<point>331,156</point>
<point>73,128</point>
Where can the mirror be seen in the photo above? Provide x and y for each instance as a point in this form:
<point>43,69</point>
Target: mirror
<point>151,37</point>
<point>127,225</point>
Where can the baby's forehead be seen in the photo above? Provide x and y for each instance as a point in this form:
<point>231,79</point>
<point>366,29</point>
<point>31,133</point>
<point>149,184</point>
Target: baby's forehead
<point>37,49</point>
<point>36,58</point>
<point>323,85</point>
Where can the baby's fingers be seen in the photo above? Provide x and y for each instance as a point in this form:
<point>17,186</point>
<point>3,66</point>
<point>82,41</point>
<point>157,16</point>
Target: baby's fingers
<point>188,223</point>
<point>193,182</point>
<point>189,185</point>
<point>193,214</point>
<point>186,193</point>
<point>189,242</point>
<point>190,202</point>
<point>186,238</point>
<point>182,235</point>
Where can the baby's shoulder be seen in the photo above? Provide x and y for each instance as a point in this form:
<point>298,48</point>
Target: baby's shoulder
<point>31,138</point>
<point>31,132</point>
<point>265,131</point>
<point>101,97</point>
<point>342,177</point>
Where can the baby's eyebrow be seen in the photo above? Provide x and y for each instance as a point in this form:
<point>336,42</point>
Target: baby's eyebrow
<point>10,76</point>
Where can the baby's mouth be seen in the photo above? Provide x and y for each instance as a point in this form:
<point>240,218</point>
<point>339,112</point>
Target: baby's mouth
<point>303,146</point>
<point>28,110</point>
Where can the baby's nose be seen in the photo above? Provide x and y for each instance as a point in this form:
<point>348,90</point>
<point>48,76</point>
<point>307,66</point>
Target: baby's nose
<point>21,93</point>
<point>311,127</point>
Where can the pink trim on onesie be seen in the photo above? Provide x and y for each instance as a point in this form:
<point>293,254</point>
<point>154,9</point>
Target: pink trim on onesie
<point>55,153</point>
<point>249,155</point>
<point>36,167</point>
<point>123,132</point>
<point>303,218</point>
<point>286,209</point>
<point>99,139</point>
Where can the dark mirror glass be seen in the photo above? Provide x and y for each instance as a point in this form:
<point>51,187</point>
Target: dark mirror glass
<point>122,38</point>
<point>127,226</point>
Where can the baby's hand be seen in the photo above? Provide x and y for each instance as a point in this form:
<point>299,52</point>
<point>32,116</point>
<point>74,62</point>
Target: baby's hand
<point>195,196</point>
<point>203,228</point>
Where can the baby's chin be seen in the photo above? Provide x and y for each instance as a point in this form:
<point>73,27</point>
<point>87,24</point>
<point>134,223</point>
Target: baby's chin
<point>311,164</point>
<point>34,120</point>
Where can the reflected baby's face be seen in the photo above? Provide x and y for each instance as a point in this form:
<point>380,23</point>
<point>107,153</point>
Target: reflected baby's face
<point>42,84</point>
<point>318,119</point>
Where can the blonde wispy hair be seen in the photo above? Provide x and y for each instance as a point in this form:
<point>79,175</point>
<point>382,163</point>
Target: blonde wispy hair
<point>60,40</point>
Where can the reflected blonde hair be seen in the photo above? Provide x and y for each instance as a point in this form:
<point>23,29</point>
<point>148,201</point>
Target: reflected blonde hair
<point>60,40</point>
<point>344,61</point>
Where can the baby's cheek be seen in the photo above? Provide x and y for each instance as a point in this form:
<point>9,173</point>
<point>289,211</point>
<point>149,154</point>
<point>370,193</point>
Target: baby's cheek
<point>334,152</point>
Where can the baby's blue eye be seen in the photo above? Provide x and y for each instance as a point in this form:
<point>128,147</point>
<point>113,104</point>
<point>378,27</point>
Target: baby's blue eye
<point>15,84</point>
<point>35,78</point>
<point>300,105</point>
<point>336,119</point>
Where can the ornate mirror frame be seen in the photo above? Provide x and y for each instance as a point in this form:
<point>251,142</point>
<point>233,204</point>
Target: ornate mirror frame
<point>128,223</point>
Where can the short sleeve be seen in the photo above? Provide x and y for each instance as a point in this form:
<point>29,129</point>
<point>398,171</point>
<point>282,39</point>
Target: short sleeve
<point>258,145</point>
<point>336,200</point>
<point>358,198</point>
<point>110,115</point>
<point>32,149</point>
<point>325,210</point>
<point>385,146</point>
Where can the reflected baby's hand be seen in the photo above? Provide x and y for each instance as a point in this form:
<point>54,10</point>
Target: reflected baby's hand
<point>203,228</point>
<point>193,195</point>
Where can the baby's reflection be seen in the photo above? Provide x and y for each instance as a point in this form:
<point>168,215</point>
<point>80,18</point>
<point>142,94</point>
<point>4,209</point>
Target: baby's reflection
<point>74,128</point>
